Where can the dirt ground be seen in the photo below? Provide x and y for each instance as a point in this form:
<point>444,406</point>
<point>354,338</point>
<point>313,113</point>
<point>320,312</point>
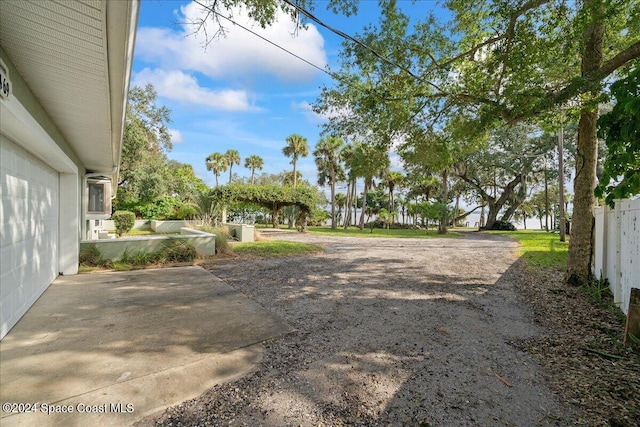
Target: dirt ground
<point>426,332</point>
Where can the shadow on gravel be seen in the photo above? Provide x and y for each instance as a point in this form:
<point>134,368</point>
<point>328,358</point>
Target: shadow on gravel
<point>391,335</point>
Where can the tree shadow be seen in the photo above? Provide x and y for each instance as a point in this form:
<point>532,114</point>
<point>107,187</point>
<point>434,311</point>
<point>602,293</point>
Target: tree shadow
<point>416,336</point>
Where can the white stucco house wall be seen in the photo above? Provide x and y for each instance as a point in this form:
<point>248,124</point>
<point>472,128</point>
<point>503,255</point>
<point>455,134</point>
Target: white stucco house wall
<point>65,69</point>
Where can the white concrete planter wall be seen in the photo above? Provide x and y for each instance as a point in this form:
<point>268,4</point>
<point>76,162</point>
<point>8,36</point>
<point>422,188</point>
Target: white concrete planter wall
<point>140,224</point>
<point>113,249</point>
<point>168,226</point>
<point>242,232</point>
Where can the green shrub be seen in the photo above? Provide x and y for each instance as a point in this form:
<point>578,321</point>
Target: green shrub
<point>503,225</point>
<point>316,218</point>
<point>124,221</point>
<point>185,211</point>
<point>161,208</point>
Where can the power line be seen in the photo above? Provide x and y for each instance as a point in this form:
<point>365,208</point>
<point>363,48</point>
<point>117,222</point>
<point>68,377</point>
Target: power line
<point>328,27</point>
<point>350,38</point>
<point>333,30</point>
<point>269,41</point>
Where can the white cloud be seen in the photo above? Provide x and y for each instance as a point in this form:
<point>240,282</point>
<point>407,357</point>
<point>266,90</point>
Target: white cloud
<point>307,110</point>
<point>314,117</point>
<point>396,161</point>
<point>302,106</point>
<point>240,53</point>
<point>176,136</point>
<point>182,87</point>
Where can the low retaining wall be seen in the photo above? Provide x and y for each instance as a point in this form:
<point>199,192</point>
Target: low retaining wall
<point>172,226</point>
<point>205,243</point>
<point>140,224</point>
<point>242,232</point>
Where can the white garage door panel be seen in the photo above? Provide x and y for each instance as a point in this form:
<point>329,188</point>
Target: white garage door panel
<point>29,230</point>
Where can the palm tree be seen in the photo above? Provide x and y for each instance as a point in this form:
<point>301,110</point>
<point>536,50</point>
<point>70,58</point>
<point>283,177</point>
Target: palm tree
<point>341,202</point>
<point>287,177</point>
<point>253,162</point>
<point>217,163</point>
<point>386,217</point>
<point>232,157</point>
<point>368,162</point>
<point>327,157</point>
<point>296,147</point>
<point>347,156</point>
<point>392,180</point>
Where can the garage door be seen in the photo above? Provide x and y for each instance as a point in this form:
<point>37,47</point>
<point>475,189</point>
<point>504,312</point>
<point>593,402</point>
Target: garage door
<point>29,233</point>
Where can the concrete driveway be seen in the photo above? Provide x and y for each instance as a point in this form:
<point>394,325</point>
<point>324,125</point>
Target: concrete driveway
<point>111,348</point>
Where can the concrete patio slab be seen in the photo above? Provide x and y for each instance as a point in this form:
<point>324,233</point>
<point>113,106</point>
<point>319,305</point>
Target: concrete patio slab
<point>111,348</point>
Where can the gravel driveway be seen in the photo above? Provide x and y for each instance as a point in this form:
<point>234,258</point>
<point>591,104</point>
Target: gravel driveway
<point>389,332</point>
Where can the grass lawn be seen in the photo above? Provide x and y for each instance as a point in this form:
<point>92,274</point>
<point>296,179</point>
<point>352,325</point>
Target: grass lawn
<point>539,248</point>
<point>275,248</point>
<point>380,232</point>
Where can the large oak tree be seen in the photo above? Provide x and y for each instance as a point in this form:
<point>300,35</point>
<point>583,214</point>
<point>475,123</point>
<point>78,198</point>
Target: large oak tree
<point>501,60</point>
<point>496,62</point>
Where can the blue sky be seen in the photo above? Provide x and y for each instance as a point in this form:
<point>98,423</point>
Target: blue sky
<point>239,92</point>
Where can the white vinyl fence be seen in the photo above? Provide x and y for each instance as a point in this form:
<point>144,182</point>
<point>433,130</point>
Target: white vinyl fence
<point>617,248</point>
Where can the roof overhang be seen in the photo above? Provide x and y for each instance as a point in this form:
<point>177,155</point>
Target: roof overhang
<point>76,58</point>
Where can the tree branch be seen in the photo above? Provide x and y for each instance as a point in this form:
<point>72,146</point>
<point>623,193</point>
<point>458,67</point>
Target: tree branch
<point>466,214</point>
<point>630,53</point>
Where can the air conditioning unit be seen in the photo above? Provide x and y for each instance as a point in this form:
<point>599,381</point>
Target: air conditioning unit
<point>98,198</point>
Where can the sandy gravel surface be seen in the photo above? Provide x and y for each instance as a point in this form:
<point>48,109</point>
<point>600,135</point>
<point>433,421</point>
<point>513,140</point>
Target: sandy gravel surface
<point>389,332</point>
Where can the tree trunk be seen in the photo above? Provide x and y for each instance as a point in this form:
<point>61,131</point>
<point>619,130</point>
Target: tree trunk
<point>333,201</point>
<point>496,205</point>
<point>492,215</point>
<point>511,210</point>
<point>444,215</point>
<point>354,201</point>
<point>561,184</point>
<point>546,196</point>
<point>508,214</point>
<point>581,240</point>
<point>581,237</point>
<point>275,217</point>
<point>291,216</point>
<point>364,204</point>
<point>347,207</point>
<point>302,221</point>
<point>516,200</point>
<point>295,174</point>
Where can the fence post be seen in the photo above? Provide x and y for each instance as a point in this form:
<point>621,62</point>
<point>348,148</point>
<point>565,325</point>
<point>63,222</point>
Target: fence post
<point>633,316</point>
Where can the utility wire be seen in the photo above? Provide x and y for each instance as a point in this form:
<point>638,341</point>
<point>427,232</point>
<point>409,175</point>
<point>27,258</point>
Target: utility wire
<point>358,42</point>
<point>333,30</point>
<point>350,38</point>
<point>268,41</point>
